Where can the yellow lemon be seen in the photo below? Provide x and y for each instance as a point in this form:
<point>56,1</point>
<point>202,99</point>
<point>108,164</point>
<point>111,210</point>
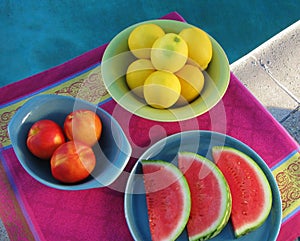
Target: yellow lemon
<point>199,45</point>
<point>142,37</point>
<point>169,52</point>
<point>192,81</point>
<point>137,73</point>
<point>161,89</point>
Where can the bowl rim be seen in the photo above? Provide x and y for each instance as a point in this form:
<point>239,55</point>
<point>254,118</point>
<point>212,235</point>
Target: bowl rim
<point>20,116</point>
<point>138,107</point>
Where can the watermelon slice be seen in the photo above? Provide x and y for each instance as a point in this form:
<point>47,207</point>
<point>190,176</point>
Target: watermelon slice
<point>168,199</point>
<point>250,189</point>
<point>210,195</point>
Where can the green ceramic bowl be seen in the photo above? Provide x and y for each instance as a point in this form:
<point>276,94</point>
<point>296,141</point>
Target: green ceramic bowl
<point>117,58</point>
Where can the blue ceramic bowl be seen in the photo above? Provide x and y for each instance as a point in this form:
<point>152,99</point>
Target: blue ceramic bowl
<point>199,142</point>
<point>112,153</point>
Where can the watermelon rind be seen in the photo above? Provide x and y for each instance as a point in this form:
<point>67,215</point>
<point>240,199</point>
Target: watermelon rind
<point>267,205</point>
<point>168,167</point>
<point>220,222</point>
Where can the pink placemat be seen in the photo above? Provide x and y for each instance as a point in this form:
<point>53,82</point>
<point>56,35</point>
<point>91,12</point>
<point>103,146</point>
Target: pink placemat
<point>32,211</point>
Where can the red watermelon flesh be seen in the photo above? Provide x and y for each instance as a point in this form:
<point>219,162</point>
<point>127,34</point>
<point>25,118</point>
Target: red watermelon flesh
<point>210,196</point>
<point>250,189</point>
<point>168,199</point>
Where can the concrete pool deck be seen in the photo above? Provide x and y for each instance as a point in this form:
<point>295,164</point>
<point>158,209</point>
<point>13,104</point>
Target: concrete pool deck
<point>271,72</point>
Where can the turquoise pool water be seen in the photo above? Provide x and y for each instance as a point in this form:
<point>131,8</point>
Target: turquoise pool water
<point>37,35</point>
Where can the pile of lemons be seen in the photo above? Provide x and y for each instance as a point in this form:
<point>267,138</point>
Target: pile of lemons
<point>168,68</point>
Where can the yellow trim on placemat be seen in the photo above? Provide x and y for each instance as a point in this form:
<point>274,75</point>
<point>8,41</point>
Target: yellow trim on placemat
<point>287,175</point>
<point>87,85</point>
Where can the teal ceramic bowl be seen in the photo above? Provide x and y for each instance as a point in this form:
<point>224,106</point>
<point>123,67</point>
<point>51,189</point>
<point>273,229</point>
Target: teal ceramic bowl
<point>117,58</point>
<point>112,152</point>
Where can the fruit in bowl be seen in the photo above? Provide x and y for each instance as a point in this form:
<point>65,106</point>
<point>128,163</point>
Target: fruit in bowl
<point>161,89</point>
<point>136,74</point>
<point>199,45</point>
<point>191,81</point>
<point>182,55</point>
<point>169,53</point>
<point>44,137</point>
<point>142,38</point>
<point>84,126</point>
<point>74,160</point>
<point>211,82</point>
